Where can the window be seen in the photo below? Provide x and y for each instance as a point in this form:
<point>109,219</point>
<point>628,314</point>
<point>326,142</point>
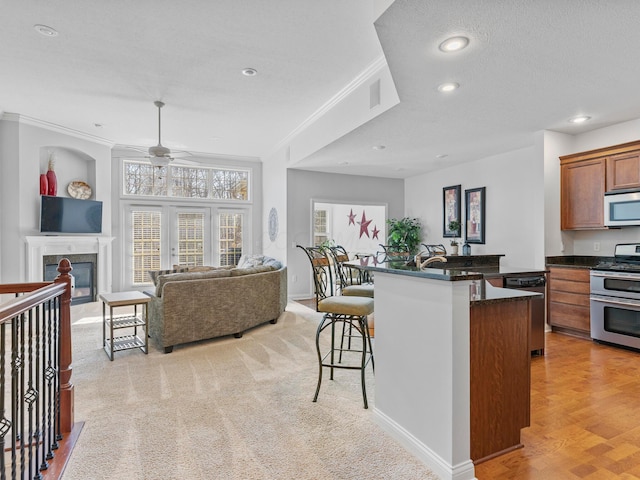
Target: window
<point>320,233</point>
<point>178,181</point>
<point>191,239</point>
<point>144,179</point>
<point>146,230</point>
<point>230,239</point>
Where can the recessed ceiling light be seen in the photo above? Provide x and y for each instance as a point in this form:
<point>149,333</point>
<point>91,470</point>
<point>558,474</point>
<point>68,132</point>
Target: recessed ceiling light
<point>46,31</point>
<point>454,44</point>
<point>379,147</point>
<point>448,87</point>
<point>579,119</point>
<point>442,155</point>
<point>249,72</point>
<point>343,163</point>
<point>97,125</point>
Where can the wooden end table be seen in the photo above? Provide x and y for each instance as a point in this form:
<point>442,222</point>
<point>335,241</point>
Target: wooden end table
<point>139,323</point>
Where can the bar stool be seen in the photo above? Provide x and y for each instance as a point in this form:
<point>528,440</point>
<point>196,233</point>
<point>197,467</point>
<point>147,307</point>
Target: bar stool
<point>350,311</point>
<point>350,284</point>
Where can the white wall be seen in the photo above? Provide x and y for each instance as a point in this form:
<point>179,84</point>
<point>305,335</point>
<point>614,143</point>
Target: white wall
<point>27,144</point>
<point>275,196</point>
<point>514,184</point>
<point>303,187</point>
<point>9,188</point>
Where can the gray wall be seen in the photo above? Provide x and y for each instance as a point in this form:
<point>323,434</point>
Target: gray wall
<point>303,187</point>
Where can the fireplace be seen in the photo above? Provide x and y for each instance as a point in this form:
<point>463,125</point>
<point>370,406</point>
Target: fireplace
<point>85,275</point>
<point>43,250</point>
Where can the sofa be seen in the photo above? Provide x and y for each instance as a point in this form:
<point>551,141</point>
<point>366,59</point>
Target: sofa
<point>188,306</point>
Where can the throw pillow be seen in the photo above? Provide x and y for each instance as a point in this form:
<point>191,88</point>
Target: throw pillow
<point>248,261</point>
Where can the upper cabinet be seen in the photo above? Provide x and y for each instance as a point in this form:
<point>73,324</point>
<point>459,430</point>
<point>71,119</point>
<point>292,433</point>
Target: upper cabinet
<point>582,194</point>
<point>584,178</point>
<point>623,171</point>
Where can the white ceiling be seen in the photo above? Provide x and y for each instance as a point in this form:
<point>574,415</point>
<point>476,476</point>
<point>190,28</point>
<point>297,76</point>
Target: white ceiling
<point>530,66</point>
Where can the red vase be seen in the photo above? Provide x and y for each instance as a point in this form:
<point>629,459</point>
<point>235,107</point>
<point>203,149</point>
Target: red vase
<point>44,184</point>
<point>52,188</point>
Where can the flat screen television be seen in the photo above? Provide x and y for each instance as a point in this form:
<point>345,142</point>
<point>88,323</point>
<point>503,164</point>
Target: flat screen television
<point>70,215</point>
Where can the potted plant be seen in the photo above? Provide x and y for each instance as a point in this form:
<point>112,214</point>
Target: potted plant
<point>404,232</point>
<point>454,247</point>
<point>454,226</point>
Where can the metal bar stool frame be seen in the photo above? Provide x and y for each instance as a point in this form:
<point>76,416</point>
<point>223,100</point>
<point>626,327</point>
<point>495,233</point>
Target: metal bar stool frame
<point>349,311</point>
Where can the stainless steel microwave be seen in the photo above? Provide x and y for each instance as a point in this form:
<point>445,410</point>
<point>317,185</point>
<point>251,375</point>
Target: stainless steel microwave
<point>622,208</point>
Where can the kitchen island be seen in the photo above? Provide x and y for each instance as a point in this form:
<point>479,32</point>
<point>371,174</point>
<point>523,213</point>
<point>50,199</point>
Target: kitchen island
<point>452,365</point>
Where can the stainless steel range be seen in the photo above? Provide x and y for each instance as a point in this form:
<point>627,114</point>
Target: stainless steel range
<point>615,298</point>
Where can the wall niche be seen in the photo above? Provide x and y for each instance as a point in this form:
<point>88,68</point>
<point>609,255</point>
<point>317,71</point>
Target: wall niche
<point>70,165</point>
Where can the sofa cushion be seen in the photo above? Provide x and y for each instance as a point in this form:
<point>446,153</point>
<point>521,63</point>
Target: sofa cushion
<point>154,274</point>
<point>179,277</point>
<point>198,268</point>
<point>236,272</point>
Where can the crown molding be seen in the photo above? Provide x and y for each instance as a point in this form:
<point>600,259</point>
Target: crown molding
<point>371,71</point>
<point>34,122</point>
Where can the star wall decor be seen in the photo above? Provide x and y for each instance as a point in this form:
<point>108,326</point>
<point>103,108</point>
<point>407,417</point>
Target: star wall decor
<point>352,218</point>
<point>375,232</point>
<point>364,225</point>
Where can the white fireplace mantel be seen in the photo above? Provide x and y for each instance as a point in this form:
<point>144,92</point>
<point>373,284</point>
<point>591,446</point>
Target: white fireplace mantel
<point>40,246</point>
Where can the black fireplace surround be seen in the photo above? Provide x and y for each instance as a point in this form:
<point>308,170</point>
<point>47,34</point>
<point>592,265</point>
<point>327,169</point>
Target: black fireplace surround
<point>85,274</point>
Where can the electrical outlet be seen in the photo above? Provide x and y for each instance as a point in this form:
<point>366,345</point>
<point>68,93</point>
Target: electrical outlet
<point>596,246</point>
<point>294,278</point>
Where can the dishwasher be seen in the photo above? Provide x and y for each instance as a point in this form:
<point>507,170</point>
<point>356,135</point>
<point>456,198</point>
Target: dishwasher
<point>532,283</point>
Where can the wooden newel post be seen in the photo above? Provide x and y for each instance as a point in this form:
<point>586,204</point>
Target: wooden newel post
<point>66,387</point>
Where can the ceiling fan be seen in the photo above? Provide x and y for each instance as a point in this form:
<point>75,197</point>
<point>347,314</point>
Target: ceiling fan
<point>159,155</point>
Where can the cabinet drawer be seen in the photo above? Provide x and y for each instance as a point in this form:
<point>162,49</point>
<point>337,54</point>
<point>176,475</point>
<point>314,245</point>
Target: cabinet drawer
<point>569,286</point>
<point>569,298</point>
<point>575,274</point>
<point>570,316</point>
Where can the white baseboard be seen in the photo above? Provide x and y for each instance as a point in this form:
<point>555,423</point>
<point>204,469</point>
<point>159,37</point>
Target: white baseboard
<point>461,471</point>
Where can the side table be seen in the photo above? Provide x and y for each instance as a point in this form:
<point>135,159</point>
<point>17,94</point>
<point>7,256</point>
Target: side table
<point>139,323</point>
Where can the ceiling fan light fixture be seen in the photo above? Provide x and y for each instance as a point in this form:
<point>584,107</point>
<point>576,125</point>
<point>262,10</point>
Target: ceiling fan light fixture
<point>160,161</point>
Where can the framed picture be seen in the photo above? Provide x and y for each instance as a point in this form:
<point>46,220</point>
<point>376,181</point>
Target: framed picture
<point>475,210</point>
<point>451,211</point>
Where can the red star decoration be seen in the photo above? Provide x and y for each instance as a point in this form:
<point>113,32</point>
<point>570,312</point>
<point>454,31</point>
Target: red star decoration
<point>364,225</point>
<point>375,232</point>
<point>352,218</point>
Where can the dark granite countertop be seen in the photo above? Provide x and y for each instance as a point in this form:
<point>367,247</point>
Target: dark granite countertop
<point>480,291</point>
<point>401,268</point>
<point>483,293</point>
<point>576,261</point>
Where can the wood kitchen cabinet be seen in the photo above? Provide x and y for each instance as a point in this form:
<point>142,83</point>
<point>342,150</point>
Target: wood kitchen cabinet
<point>584,178</point>
<point>623,171</point>
<point>568,300</point>
<point>582,193</point>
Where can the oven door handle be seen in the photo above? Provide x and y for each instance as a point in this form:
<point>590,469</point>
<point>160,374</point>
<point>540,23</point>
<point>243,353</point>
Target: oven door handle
<point>613,275</point>
<point>615,301</point>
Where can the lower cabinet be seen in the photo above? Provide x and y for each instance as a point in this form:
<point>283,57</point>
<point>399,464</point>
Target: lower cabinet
<point>500,368</point>
<point>568,299</point>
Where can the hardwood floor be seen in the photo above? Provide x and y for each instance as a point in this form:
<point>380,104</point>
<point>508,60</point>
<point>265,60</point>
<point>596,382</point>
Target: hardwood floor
<point>585,416</point>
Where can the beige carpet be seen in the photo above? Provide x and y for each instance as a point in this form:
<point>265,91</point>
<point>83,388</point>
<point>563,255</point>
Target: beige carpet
<point>225,409</point>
